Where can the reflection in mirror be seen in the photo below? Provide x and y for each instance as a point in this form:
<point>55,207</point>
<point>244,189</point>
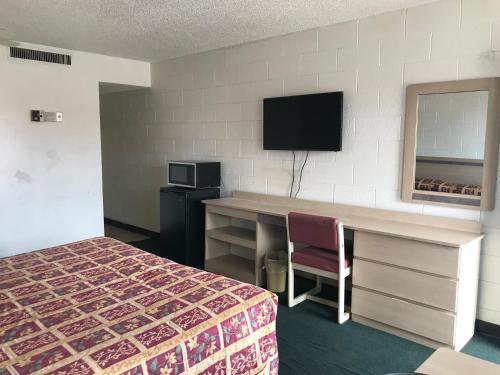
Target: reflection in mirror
<point>451,130</point>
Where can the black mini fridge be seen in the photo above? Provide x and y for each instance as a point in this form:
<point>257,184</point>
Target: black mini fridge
<point>182,224</point>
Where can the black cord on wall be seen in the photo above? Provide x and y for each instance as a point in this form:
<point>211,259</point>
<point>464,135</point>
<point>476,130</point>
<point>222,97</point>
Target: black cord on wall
<point>300,176</point>
<point>293,174</point>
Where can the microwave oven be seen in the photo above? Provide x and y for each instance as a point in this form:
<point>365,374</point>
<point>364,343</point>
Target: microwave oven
<point>194,174</point>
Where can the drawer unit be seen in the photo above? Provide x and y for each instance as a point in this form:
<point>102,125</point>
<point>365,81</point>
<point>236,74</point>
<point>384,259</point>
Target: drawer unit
<point>421,256</point>
<point>423,321</point>
<point>416,286</point>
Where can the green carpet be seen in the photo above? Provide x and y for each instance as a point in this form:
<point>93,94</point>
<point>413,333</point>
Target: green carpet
<point>310,342</point>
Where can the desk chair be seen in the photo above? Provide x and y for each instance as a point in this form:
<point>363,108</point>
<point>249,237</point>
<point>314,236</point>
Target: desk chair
<point>324,252</point>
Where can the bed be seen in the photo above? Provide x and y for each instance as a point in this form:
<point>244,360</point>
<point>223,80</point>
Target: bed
<point>100,306</point>
<point>437,185</point>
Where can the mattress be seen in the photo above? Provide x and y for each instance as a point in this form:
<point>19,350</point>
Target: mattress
<point>100,306</point>
<point>434,184</point>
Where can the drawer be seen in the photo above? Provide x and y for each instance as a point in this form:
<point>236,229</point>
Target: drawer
<point>424,321</point>
<point>421,256</point>
<point>420,287</point>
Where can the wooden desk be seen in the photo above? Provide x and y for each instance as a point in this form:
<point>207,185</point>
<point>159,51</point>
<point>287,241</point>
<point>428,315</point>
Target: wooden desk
<point>415,276</point>
<point>447,362</point>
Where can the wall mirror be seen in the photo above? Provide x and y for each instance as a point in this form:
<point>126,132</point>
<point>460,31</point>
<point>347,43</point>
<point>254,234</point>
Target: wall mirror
<point>451,143</point>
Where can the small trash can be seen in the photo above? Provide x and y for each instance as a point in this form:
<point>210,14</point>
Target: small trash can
<point>276,265</point>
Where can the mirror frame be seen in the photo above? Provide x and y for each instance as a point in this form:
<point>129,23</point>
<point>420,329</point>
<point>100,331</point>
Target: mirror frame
<point>487,200</point>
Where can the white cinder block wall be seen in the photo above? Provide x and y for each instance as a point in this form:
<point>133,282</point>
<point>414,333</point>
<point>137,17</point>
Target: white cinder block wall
<point>209,106</point>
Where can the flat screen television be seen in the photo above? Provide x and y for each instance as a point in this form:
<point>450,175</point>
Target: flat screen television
<point>304,122</point>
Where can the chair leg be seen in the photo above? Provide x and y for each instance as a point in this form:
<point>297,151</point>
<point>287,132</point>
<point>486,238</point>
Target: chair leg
<point>291,282</point>
<point>292,300</point>
<point>319,283</point>
<point>342,316</point>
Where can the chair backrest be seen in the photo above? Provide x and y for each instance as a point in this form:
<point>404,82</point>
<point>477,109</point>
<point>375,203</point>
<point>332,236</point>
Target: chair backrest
<point>314,230</point>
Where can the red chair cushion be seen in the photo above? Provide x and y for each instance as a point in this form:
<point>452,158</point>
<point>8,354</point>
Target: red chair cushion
<point>314,230</point>
<point>322,259</point>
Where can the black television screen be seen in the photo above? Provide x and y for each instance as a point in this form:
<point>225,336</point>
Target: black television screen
<point>304,122</point>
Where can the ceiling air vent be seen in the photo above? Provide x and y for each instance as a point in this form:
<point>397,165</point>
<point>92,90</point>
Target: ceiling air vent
<point>31,54</point>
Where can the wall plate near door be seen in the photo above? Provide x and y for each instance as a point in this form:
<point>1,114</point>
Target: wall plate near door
<point>38,115</point>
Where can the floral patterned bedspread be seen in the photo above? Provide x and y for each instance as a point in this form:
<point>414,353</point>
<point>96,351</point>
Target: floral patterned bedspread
<point>103,307</point>
<point>434,184</point>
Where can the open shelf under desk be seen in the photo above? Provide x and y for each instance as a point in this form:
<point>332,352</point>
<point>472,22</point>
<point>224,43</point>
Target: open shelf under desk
<point>234,235</point>
<point>232,266</point>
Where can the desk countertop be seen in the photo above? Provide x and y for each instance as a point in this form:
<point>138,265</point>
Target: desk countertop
<point>366,223</point>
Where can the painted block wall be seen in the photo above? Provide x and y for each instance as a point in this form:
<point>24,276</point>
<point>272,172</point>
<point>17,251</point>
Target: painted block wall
<point>50,173</point>
<point>209,106</point>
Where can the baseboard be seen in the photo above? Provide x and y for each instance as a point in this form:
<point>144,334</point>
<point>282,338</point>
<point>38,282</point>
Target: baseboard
<point>131,228</point>
<point>487,328</point>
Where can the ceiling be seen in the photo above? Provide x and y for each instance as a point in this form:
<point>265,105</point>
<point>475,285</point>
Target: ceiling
<point>153,30</point>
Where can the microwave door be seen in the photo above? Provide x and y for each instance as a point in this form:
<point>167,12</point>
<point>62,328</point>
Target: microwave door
<point>182,175</point>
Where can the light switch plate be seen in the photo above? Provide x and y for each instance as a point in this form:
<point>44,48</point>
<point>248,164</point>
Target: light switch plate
<point>38,115</point>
